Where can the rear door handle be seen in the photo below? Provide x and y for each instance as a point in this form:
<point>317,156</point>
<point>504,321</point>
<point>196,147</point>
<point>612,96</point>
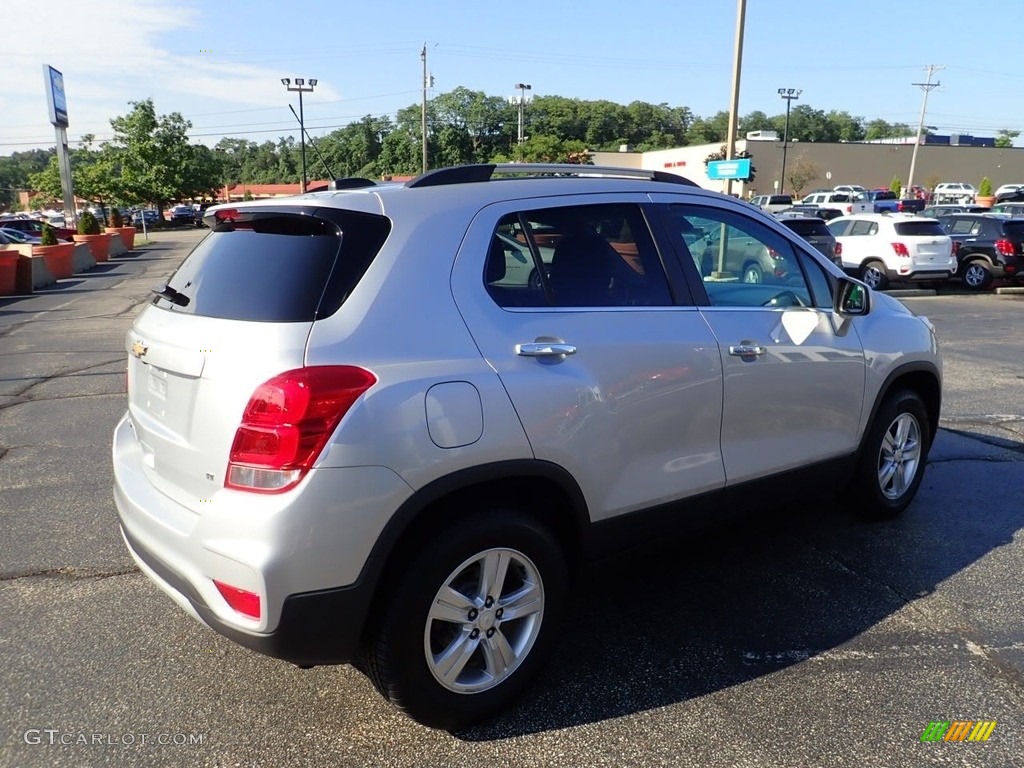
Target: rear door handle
<point>545,349</point>
<point>747,350</point>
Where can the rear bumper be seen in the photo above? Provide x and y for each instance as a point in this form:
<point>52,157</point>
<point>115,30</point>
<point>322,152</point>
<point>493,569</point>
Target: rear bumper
<point>323,627</point>
<point>302,552</point>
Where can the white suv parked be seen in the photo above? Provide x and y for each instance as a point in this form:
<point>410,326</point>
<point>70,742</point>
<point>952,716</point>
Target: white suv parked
<point>880,248</point>
<point>954,192</point>
<point>350,438</point>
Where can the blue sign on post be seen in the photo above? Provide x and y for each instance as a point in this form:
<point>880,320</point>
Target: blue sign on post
<point>729,169</point>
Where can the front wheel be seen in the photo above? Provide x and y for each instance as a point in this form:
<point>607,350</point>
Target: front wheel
<point>470,620</point>
<point>893,457</point>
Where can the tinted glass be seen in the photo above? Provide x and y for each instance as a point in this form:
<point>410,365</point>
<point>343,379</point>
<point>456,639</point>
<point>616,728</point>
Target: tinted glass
<point>808,227</point>
<point>276,267</point>
<point>1014,228</point>
<point>919,228</point>
<point>576,256</point>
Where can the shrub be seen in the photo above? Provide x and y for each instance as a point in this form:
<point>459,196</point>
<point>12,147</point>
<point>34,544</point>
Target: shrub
<point>115,218</point>
<point>896,186</point>
<point>985,188</point>
<point>49,236</point>
<point>87,224</point>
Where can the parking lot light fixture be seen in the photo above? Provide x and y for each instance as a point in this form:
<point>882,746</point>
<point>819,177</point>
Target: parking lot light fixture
<point>788,94</point>
<point>523,88</point>
<point>301,87</point>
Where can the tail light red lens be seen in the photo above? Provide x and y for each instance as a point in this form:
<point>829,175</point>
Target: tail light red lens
<point>287,422</point>
<point>901,250</point>
<point>1005,248</point>
<point>839,249</point>
<point>241,600</point>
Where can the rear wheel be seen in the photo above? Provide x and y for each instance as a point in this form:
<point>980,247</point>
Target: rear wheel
<point>893,458</point>
<point>874,276</point>
<point>752,274</point>
<point>470,620</point>
<point>976,276</point>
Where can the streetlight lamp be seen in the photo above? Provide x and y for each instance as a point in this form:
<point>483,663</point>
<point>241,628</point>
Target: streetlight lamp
<point>302,87</point>
<point>788,94</point>
<point>523,88</point>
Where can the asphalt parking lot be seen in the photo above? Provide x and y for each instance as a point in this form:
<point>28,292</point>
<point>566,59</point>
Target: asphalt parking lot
<point>801,638</point>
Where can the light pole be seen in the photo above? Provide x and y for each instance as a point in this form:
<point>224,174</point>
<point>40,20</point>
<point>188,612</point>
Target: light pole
<point>788,94</point>
<point>302,87</point>
<point>523,88</point>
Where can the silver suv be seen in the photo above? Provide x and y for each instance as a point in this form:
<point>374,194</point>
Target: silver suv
<point>350,438</point>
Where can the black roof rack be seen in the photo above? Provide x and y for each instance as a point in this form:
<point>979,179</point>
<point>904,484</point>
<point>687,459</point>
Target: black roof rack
<point>467,174</point>
<point>351,183</point>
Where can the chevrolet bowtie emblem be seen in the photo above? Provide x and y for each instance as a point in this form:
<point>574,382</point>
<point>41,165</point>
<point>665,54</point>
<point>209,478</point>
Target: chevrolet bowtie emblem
<point>139,349</point>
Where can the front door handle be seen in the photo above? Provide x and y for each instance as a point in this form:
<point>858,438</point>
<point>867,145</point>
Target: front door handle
<point>545,349</point>
<point>747,350</point>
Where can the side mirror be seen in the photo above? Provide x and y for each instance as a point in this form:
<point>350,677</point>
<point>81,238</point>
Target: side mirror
<point>852,298</point>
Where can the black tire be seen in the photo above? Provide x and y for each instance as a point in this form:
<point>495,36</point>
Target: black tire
<point>406,651</point>
<point>534,283</point>
<point>976,276</point>
<point>874,275</point>
<point>893,457</point>
<point>752,274</point>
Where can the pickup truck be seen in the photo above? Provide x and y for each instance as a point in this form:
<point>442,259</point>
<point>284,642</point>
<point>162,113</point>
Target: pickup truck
<point>846,203</point>
<point>887,200</point>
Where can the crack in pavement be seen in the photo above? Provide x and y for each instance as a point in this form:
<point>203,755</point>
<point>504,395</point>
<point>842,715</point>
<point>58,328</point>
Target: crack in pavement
<point>68,573</point>
<point>56,375</point>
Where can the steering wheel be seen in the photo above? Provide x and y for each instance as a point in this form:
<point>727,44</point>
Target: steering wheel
<point>784,299</point>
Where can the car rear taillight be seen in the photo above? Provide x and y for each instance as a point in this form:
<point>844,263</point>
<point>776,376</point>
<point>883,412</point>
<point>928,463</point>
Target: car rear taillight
<point>287,422</point>
<point>901,250</point>
<point>956,247</point>
<point>838,250</point>
<point>849,209</point>
<point>245,602</point>
<point>1005,248</point>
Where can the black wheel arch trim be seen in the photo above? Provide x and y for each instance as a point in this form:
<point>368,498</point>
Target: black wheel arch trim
<point>917,366</point>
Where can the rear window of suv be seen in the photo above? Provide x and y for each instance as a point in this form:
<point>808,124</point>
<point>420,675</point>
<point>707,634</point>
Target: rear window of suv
<point>919,229</point>
<point>275,267</point>
<point>808,227</point>
<point>1013,228</point>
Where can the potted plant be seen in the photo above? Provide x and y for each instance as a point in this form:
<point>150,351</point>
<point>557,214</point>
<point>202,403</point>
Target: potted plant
<point>985,196</point>
<point>117,227</point>
<point>89,232</point>
<point>58,256</point>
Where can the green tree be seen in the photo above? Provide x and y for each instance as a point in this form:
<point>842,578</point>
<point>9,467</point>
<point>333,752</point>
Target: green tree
<point>158,164</point>
<point>1005,137</point>
<point>896,185</point>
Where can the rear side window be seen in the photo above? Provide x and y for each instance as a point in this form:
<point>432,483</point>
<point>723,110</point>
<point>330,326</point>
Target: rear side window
<point>275,267</point>
<point>808,227</point>
<point>919,228</point>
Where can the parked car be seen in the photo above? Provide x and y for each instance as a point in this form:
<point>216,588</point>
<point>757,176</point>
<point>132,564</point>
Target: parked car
<point>814,231</point>
<point>149,215</point>
<point>850,189</point>
<point>34,228</point>
<point>887,200</point>
<point>1008,209</point>
<point>1009,192</point>
<point>844,202</point>
<point>825,214</point>
<point>883,248</point>
<point>938,211</point>
<point>990,247</point>
<point>17,236</point>
<point>954,192</point>
<point>182,214</point>
<point>772,203</point>
<point>383,452</point>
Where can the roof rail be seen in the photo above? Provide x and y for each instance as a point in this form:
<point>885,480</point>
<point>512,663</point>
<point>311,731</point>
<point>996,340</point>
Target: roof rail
<point>467,174</point>
<point>350,183</point>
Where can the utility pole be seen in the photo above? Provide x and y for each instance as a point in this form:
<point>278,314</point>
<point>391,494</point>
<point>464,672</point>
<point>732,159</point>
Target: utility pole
<point>734,101</point>
<point>926,87</point>
<point>423,110</point>
<point>788,94</point>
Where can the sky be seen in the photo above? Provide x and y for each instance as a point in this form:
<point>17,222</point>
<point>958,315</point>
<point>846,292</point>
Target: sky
<point>220,62</point>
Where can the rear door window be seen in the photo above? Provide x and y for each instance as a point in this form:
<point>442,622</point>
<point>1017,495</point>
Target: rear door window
<point>276,267</point>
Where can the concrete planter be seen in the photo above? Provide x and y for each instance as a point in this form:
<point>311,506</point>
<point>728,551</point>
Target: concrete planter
<point>8,272</point>
<point>59,259</point>
<point>127,235</point>
<point>98,244</point>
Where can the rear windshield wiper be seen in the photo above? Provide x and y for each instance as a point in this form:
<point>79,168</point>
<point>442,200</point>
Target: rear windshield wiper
<point>173,296</point>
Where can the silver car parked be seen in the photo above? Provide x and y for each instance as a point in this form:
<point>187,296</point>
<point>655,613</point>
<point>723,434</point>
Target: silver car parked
<point>350,438</point>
